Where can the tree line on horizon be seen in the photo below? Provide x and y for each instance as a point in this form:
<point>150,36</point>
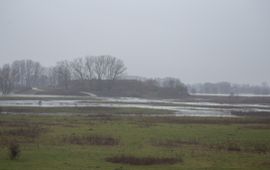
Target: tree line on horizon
<point>104,75</point>
<point>229,88</point>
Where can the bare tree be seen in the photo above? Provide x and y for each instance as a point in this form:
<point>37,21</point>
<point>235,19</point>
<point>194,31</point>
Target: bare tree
<point>89,67</point>
<point>63,73</point>
<point>108,67</point>
<point>33,71</point>
<point>100,67</point>
<point>43,77</point>
<point>52,76</point>
<point>19,72</point>
<point>78,69</point>
<point>6,82</point>
<point>115,68</point>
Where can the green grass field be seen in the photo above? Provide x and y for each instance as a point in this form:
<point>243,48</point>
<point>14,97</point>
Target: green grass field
<point>131,143</point>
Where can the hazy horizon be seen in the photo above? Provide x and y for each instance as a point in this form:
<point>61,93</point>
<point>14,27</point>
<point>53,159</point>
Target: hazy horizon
<point>196,41</point>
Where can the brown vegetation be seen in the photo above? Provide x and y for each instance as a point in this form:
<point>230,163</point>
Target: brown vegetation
<point>259,127</point>
<point>230,146</point>
<point>91,140</point>
<point>174,143</point>
<point>261,148</point>
<point>251,113</point>
<point>205,120</point>
<point>132,160</point>
<point>29,132</point>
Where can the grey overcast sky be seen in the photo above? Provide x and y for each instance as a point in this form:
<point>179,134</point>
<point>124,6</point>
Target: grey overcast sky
<point>194,40</point>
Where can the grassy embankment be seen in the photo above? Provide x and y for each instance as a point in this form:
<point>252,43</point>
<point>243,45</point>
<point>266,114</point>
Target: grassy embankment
<point>110,142</point>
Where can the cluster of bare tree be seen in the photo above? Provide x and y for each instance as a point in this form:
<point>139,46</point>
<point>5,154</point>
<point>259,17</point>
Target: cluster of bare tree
<point>96,74</point>
<point>87,68</point>
<point>23,73</point>
<point>28,73</point>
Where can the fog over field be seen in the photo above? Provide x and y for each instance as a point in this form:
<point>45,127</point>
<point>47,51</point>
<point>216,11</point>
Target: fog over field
<point>194,40</point>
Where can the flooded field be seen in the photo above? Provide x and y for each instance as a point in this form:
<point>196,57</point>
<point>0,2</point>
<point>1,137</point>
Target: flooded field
<point>181,108</point>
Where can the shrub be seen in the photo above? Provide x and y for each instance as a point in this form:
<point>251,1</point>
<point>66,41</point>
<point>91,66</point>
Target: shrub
<point>14,150</point>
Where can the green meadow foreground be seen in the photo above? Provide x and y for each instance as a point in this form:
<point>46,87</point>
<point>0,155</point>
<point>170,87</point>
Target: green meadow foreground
<point>106,142</point>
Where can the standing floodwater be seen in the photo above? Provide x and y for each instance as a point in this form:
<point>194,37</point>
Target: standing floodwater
<point>180,108</point>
